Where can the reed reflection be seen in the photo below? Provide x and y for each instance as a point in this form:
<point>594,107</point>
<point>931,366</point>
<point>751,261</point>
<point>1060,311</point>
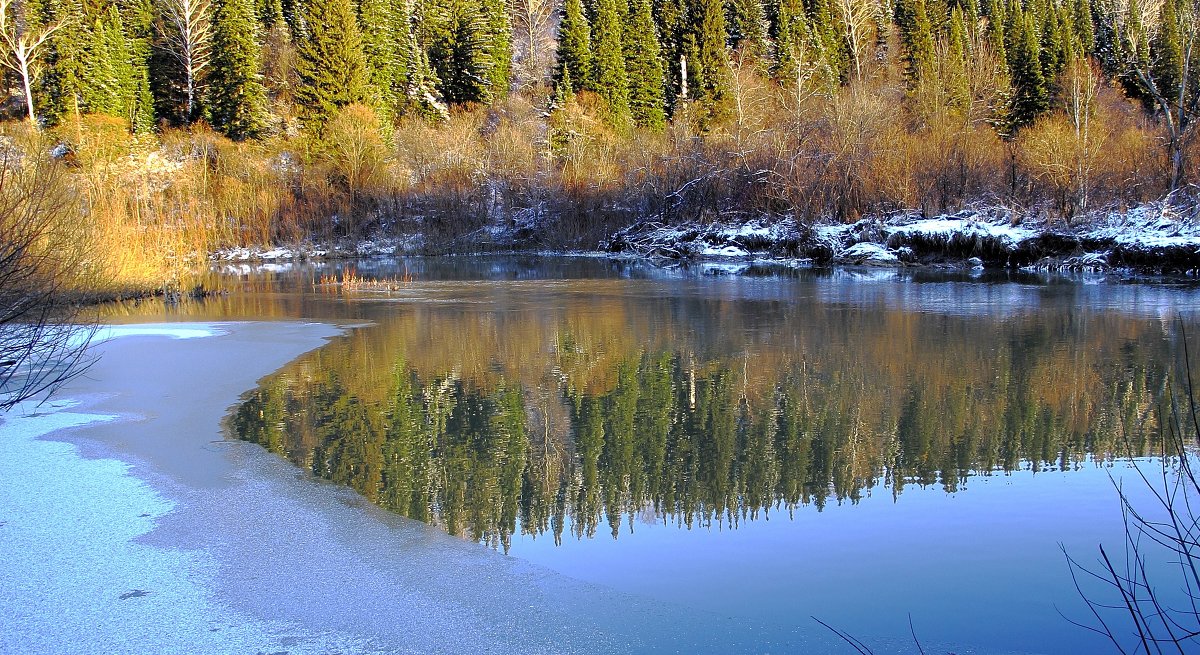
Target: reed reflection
<point>596,415</point>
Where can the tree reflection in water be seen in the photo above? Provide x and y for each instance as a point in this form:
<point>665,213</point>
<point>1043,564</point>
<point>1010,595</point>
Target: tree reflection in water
<point>580,422</point>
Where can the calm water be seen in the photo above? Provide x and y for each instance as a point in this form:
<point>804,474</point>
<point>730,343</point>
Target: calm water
<point>856,446</point>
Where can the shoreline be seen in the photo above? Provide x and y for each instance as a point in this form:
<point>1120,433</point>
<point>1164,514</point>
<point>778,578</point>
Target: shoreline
<point>129,523</point>
<point>1155,238</point>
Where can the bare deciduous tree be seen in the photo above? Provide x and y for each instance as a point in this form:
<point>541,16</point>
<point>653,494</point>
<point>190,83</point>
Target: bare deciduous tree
<point>41,344</point>
<point>22,47</point>
<point>860,18</point>
<point>533,22</point>
<point>186,27</point>
<point>1136,26</point>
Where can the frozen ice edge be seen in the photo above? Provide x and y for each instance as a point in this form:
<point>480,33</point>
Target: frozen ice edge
<point>104,551</point>
<point>74,577</point>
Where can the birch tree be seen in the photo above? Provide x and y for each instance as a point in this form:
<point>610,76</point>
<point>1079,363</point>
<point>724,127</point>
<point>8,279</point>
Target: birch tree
<point>532,21</point>
<point>186,27</point>
<point>1158,48</point>
<point>23,45</point>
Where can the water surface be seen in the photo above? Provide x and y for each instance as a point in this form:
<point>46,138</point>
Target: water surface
<point>860,446</point>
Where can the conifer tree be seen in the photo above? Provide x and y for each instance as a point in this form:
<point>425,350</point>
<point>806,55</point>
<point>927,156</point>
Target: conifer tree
<point>378,22</point>
<point>109,77</point>
<point>955,67</point>
<point>791,40</point>
<point>608,61</point>
<point>711,71</point>
<point>748,29</point>
<point>1167,65</point>
<point>237,100</point>
<point>574,47</point>
<point>672,19</point>
<point>1030,95</point>
<point>330,64</point>
<point>1081,19</point>
<point>997,19</point>
<point>61,82</point>
<point>916,35</point>
<point>643,67</point>
<point>498,48</point>
<point>459,52</point>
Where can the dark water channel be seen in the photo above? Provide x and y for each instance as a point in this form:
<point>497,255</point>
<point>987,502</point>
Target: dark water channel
<point>861,446</point>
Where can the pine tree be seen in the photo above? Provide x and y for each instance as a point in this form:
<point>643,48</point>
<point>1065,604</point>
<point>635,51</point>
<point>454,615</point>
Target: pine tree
<point>574,48</point>
<point>61,84</point>
<point>140,32</point>
<point>608,61</point>
<point>672,19</point>
<point>791,40</point>
<point>1055,46</point>
<point>956,82</point>
<point>711,71</point>
<point>748,29</point>
<point>109,81</point>
<point>497,47</point>
<point>643,66</point>
<point>916,35</point>
<point>330,65</point>
<point>420,93</point>
<point>1167,47</point>
<point>997,41</point>
<point>459,52</point>
<point>1081,19</point>
<point>386,68</point>
<point>237,100</point>
<point>1030,95</point>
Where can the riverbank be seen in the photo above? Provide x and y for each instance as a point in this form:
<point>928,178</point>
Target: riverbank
<point>129,524</point>
<point>1155,238</point>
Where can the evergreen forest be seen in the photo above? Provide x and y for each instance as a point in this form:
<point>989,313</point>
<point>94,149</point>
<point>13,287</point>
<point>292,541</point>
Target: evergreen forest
<point>191,125</point>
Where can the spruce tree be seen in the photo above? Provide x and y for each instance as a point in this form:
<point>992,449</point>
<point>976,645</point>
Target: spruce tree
<point>955,66</point>
<point>61,83</point>
<point>1167,48</point>
<point>997,41</point>
<point>377,20</point>
<point>497,47</point>
<point>916,35</point>
<point>237,100</point>
<point>109,78</point>
<point>608,61</point>
<point>672,19</point>
<point>643,66</point>
<point>748,29</point>
<point>791,39</point>
<point>330,65</point>
<point>1081,18</point>
<point>1030,95</point>
<point>711,71</point>
<point>459,52</point>
<point>574,48</point>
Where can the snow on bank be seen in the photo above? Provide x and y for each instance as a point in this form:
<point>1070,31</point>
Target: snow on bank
<point>1154,236</point>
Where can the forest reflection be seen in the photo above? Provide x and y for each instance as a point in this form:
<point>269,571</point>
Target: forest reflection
<point>592,416</point>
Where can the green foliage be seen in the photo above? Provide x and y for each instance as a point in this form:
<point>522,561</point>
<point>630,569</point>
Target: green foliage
<point>643,65</point>
<point>380,24</point>
<point>1030,92</point>
<point>574,65</point>
<point>611,82</point>
<point>748,29</point>
<point>236,96</point>
<point>710,74</point>
<point>467,51</point>
<point>916,35</point>
<point>330,65</point>
<point>1168,64</point>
